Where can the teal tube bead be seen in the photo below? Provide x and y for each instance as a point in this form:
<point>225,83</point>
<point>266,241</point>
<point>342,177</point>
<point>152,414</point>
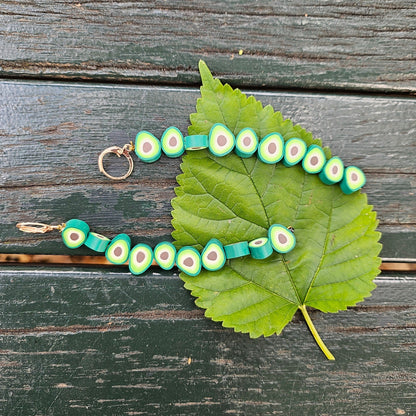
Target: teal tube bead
<point>260,248</point>
<point>196,142</point>
<point>97,242</point>
<point>235,250</point>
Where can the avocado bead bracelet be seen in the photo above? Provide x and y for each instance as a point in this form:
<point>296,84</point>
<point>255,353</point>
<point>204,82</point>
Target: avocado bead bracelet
<point>76,233</point>
<point>221,141</point>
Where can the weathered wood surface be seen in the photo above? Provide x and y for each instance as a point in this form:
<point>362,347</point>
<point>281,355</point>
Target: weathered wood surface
<point>88,341</point>
<point>286,44</point>
<point>99,341</point>
<point>51,135</point>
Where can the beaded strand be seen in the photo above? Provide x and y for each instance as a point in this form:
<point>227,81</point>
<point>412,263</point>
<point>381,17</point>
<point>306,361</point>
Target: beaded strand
<point>76,232</point>
<point>270,149</point>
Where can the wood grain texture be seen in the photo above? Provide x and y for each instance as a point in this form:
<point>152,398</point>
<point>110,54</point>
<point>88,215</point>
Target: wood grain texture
<point>51,135</point>
<point>290,44</point>
<point>103,342</point>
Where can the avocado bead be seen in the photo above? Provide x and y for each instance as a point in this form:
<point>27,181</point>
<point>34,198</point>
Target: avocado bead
<point>246,143</point>
<point>282,239</point>
<point>188,260</point>
<point>75,233</point>
<point>213,256</point>
<point>165,254</point>
<point>270,149</point>
<point>140,259</point>
<point>332,172</point>
<point>314,160</point>
<point>295,150</point>
<point>353,180</point>
<point>118,250</point>
<point>147,147</point>
<point>172,142</point>
<point>221,140</point>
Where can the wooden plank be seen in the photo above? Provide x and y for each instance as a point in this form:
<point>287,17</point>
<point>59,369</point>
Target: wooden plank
<point>52,133</point>
<point>295,44</point>
<point>104,342</point>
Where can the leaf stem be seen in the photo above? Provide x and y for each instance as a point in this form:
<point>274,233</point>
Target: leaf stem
<point>315,334</point>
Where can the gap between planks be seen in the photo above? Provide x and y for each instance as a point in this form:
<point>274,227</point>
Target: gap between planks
<point>398,265</point>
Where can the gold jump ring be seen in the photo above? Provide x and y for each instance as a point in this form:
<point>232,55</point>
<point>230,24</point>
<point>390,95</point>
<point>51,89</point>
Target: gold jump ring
<point>119,151</point>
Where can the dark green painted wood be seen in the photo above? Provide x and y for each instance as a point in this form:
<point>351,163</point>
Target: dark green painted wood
<point>87,341</point>
<point>51,135</point>
<point>290,44</point>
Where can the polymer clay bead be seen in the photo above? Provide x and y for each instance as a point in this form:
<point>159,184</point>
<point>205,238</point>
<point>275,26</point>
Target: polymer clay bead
<point>332,172</point>
<point>165,254</point>
<point>140,259</point>
<point>147,147</point>
<point>353,180</point>
<point>75,233</point>
<point>271,148</point>
<point>235,250</point>
<point>97,242</point>
<point>213,256</point>
<point>295,150</point>
<point>221,140</point>
<point>246,143</point>
<point>118,249</point>
<point>172,142</point>
<point>314,160</point>
<point>196,142</point>
<point>188,260</point>
<point>260,248</point>
<point>282,239</point>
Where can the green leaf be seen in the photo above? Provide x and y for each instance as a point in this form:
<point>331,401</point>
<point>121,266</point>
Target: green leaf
<point>233,199</point>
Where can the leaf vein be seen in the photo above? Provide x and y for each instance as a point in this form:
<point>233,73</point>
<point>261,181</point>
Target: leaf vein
<point>262,287</point>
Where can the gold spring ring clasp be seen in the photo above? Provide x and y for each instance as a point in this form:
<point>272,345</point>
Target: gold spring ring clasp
<point>38,227</point>
<point>119,151</point>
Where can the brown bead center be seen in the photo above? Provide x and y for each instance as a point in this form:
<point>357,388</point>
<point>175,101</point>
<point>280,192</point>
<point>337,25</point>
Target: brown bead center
<point>188,262</point>
<point>118,251</point>
<point>147,147</point>
<point>272,148</point>
<point>221,140</point>
<point>173,141</point>
<point>73,236</point>
<point>282,238</point>
<point>212,255</point>
<point>314,160</point>
<point>164,255</point>
<point>247,141</point>
<point>140,257</point>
